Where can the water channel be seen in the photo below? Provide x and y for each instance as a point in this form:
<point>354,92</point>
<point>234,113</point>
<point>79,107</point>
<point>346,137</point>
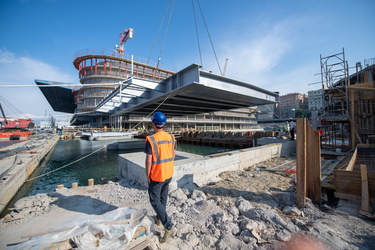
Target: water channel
<point>63,165</point>
<point>101,164</point>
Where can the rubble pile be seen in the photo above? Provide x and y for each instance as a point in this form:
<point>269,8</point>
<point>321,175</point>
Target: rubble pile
<point>28,207</point>
<point>252,209</point>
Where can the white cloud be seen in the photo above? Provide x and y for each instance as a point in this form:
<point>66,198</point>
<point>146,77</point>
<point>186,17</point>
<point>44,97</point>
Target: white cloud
<point>16,70</point>
<point>23,70</point>
<point>269,56</point>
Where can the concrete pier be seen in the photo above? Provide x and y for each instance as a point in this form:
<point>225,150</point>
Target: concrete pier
<point>16,168</point>
<point>127,144</point>
<point>201,170</point>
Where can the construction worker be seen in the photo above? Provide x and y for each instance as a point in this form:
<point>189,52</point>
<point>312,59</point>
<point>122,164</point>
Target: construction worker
<point>286,128</point>
<point>292,126</point>
<point>160,152</point>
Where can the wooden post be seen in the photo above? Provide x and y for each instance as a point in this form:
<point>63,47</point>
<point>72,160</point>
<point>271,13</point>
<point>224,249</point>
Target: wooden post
<point>313,165</point>
<point>75,185</point>
<point>60,186</point>
<point>301,162</point>
<point>91,182</point>
<point>365,206</point>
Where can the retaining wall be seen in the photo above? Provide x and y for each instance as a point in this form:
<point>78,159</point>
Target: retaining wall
<point>17,169</point>
<point>201,170</point>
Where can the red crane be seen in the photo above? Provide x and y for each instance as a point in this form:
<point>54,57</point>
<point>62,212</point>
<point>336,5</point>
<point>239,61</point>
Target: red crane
<point>124,36</point>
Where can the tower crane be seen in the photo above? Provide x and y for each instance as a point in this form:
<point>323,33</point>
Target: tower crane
<point>124,36</point>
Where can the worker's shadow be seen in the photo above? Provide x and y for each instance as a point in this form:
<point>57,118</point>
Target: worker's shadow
<point>82,204</point>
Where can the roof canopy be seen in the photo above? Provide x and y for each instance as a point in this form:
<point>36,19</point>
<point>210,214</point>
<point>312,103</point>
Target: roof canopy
<point>60,98</point>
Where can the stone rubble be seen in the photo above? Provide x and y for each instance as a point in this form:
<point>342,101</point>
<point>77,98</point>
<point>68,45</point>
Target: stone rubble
<point>214,217</point>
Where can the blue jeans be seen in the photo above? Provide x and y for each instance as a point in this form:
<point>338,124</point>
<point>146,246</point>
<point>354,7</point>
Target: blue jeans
<point>158,193</point>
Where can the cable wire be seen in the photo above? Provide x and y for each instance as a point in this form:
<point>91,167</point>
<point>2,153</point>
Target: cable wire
<point>196,30</point>
<point>12,107</point>
<point>212,45</point>
<point>97,149</point>
<point>69,163</point>
<point>165,35</point>
<point>157,34</point>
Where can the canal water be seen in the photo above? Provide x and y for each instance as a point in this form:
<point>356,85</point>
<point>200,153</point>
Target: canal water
<point>101,164</point>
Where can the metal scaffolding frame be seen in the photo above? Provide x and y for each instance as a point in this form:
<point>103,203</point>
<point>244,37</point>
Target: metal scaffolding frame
<point>335,81</point>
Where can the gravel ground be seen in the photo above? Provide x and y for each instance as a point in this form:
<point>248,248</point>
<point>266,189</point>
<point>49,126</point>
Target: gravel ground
<point>250,209</point>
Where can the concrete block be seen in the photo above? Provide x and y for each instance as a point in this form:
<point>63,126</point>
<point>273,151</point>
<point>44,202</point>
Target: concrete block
<point>200,170</point>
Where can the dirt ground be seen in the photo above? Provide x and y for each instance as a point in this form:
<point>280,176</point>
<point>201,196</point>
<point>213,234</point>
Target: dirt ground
<point>209,217</point>
<point>269,178</point>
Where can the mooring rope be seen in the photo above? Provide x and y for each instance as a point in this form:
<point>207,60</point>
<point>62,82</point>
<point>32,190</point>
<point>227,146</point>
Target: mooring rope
<point>36,177</point>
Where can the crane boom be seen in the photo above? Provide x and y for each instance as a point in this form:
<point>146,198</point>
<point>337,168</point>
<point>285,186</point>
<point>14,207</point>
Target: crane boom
<point>124,36</point>
<point>3,113</point>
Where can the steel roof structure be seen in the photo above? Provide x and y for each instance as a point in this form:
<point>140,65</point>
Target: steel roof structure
<point>188,92</point>
<point>60,98</point>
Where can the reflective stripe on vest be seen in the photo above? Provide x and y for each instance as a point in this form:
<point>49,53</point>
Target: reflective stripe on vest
<point>162,165</point>
<point>155,145</point>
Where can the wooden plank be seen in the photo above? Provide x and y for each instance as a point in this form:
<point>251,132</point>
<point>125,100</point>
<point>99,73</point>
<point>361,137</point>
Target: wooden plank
<point>313,165</point>
<point>354,128</point>
<point>347,196</point>
<point>59,245</point>
<point>350,197</point>
<point>301,162</point>
<point>365,206</point>
<point>352,161</point>
<point>350,182</point>
<point>361,88</point>
<point>140,243</point>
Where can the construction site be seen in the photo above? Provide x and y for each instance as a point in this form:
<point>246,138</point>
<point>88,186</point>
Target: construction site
<point>348,126</point>
<point>268,192</point>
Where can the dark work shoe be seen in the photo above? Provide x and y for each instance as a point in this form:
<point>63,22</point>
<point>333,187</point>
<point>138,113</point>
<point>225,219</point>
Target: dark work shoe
<point>156,220</point>
<point>168,234</point>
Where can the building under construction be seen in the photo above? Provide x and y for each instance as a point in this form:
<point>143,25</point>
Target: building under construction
<point>191,98</point>
<point>348,114</point>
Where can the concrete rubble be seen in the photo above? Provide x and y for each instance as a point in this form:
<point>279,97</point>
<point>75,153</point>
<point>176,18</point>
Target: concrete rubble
<point>219,215</point>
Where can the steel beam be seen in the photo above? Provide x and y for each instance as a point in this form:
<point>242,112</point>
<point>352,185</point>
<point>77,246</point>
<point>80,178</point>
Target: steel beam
<point>190,91</point>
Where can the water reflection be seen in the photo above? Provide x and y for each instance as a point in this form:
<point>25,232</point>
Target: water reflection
<point>101,164</point>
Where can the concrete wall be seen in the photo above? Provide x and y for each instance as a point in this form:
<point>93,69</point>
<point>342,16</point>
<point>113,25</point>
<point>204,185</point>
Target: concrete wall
<point>17,169</point>
<point>201,170</point>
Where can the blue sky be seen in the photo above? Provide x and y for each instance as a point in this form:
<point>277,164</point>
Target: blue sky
<point>273,44</point>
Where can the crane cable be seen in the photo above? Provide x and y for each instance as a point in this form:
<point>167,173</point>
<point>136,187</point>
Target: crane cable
<point>133,126</point>
<point>170,2</point>
<point>157,34</point>
<point>196,30</point>
<point>209,36</point>
<point>16,110</point>
<point>165,35</point>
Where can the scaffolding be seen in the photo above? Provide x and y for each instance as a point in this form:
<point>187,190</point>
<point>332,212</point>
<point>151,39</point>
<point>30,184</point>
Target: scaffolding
<point>349,102</point>
<point>335,81</point>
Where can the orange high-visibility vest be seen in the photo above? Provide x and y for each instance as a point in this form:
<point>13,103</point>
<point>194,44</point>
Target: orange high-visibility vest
<point>162,166</point>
